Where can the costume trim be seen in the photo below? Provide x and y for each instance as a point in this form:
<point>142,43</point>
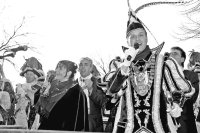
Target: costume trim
<point>130,109</point>
<point>156,96</point>
<point>178,80</point>
<point>118,115</point>
<point>77,112</point>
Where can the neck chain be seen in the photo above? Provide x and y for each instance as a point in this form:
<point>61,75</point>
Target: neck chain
<point>137,75</point>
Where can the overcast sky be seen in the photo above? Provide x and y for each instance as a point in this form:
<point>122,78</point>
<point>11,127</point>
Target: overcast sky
<point>71,29</point>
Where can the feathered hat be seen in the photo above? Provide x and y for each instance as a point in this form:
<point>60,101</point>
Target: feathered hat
<point>134,22</point>
<point>33,65</point>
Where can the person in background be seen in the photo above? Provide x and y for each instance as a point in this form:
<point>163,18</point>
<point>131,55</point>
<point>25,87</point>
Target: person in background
<point>65,106</point>
<point>113,67</point>
<point>187,118</point>
<point>7,100</point>
<point>194,65</point>
<point>29,92</point>
<point>49,79</point>
<point>95,96</point>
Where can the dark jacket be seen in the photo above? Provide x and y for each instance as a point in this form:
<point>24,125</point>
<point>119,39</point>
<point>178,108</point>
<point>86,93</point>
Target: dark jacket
<point>97,100</point>
<point>187,119</point>
<point>69,113</point>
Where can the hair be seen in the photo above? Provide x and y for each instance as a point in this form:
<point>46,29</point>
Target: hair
<point>134,26</point>
<point>183,54</point>
<point>194,57</point>
<point>69,66</point>
<point>32,62</point>
<point>95,71</point>
<point>88,59</point>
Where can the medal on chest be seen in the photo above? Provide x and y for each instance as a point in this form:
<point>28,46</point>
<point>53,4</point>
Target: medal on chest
<point>142,75</point>
<point>141,80</point>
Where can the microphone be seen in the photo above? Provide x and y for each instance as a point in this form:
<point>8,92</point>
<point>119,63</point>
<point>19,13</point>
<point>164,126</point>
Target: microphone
<point>11,55</point>
<point>20,48</point>
<point>166,56</point>
<point>136,45</point>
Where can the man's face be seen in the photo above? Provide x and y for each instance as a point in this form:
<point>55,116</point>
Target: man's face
<point>85,68</point>
<point>176,54</point>
<point>30,77</point>
<point>60,72</point>
<point>138,36</point>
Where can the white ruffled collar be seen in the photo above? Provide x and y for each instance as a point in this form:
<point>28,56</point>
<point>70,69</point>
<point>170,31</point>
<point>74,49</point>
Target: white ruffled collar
<point>81,79</point>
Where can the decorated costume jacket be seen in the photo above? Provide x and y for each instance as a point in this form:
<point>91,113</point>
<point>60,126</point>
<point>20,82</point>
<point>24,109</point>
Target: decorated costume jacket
<point>154,84</point>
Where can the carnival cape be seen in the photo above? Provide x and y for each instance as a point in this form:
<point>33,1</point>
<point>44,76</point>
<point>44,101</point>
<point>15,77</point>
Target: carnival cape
<point>69,113</point>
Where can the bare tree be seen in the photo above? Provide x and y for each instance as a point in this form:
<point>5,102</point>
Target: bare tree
<point>103,67</point>
<point>191,28</point>
<point>12,43</point>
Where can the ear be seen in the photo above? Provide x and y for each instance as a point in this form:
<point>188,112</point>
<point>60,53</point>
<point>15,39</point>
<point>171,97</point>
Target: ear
<point>69,74</point>
<point>182,59</point>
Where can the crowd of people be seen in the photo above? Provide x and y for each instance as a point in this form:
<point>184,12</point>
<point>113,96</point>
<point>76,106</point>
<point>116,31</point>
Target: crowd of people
<point>144,92</point>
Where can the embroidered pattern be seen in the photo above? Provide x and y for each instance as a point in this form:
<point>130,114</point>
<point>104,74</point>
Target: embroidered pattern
<point>137,112</point>
<point>156,96</point>
<point>146,103</point>
<point>130,109</point>
<point>146,120</point>
<point>138,101</point>
<point>141,77</point>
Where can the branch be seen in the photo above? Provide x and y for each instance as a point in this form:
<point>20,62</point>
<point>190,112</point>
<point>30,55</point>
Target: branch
<point>103,66</point>
<point>14,35</point>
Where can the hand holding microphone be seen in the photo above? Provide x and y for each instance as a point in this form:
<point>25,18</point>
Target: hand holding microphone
<point>130,55</point>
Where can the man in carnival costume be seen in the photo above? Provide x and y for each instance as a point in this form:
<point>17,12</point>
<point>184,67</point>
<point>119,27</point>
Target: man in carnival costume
<point>187,118</point>
<point>65,106</point>
<point>28,93</point>
<point>153,86</point>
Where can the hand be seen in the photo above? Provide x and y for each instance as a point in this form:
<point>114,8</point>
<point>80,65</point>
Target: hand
<point>88,83</point>
<point>46,87</point>
<point>176,110</point>
<point>124,70</point>
<point>130,56</point>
